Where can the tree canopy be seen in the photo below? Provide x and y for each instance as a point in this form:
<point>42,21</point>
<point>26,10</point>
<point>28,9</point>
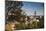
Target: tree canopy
<point>13,7</point>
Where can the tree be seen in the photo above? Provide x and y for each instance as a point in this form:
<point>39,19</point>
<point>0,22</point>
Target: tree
<point>13,5</point>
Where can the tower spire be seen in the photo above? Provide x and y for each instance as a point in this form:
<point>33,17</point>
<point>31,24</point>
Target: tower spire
<point>35,13</point>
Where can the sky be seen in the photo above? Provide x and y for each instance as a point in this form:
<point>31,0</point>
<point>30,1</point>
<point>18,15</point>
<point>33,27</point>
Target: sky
<point>30,7</point>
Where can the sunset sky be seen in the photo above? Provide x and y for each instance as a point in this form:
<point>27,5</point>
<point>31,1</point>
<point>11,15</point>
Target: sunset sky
<point>30,7</point>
